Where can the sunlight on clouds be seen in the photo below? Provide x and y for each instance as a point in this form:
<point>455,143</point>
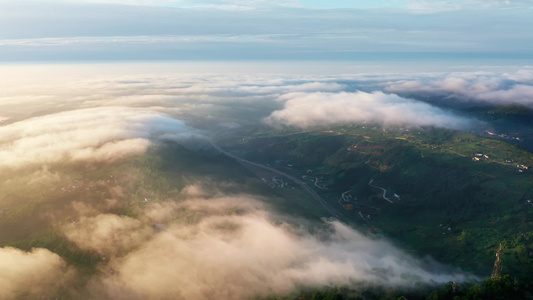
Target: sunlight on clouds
<point>499,89</point>
<point>96,134</point>
<point>227,248</point>
<point>104,118</point>
<point>322,109</point>
<point>31,274</point>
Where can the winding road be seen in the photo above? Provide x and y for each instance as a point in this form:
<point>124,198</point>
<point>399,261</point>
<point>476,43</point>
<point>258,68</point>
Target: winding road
<point>332,211</point>
<point>315,179</point>
<point>384,190</point>
<point>277,181</point>
<point>343,198</point>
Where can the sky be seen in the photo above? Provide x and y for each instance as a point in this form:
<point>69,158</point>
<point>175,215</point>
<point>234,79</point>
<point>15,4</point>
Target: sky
<point>361,30</point>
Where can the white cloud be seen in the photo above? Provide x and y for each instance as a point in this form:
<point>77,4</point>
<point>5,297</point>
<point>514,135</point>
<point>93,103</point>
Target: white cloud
<point>108,118</point>
<point>322,109</point>
<point>250,4</point>
<point>431,6</point>
<point>522,76</point>
<point>95,134</point>
<point>107,233</point>
<point>501,89</point>
<point>105,119</point>
<point>31,274</point>
<point>227,248</point>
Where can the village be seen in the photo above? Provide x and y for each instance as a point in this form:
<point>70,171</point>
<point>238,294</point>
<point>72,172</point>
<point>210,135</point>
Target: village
<point>480,156</point>
<point>503,136</point>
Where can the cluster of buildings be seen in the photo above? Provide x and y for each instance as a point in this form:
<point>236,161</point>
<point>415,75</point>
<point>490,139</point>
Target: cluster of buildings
<point>522,168</point>
<point>480,156</point>
<point>503,136</point>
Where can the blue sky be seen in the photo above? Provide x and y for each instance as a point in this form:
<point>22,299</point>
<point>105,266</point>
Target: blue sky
<point>91,30</point>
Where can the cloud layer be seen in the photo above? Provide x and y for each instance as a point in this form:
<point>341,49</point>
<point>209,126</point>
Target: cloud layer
<point>97,134</point>
<point>288,99</point>
<point>223,246</point>
<point>472,88</point>
<point>322,109</point>
<point>31,274</point>
<point>228,248</point>
<point>102,119</point>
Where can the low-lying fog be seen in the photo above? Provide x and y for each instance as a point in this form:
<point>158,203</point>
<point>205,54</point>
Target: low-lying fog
<point>200,242</point>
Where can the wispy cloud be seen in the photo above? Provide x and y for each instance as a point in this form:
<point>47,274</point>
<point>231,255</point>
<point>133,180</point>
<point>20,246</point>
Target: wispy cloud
<point>223,4</point>
<point>152,39</point>
<point>259,29</point>
<point>426,5</point>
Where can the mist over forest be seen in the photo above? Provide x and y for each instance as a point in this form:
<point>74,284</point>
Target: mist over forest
<point>110,187</point>
<point>266,149</point>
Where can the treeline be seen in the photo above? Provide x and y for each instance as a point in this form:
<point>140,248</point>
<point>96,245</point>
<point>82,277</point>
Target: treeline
<point>489,289</point>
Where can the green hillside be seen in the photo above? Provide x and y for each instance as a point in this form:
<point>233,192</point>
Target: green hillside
<point>421,188</point>
<point>455,196</point>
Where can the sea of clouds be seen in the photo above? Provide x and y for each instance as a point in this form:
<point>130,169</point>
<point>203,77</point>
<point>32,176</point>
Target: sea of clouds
<point>208,244</point>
